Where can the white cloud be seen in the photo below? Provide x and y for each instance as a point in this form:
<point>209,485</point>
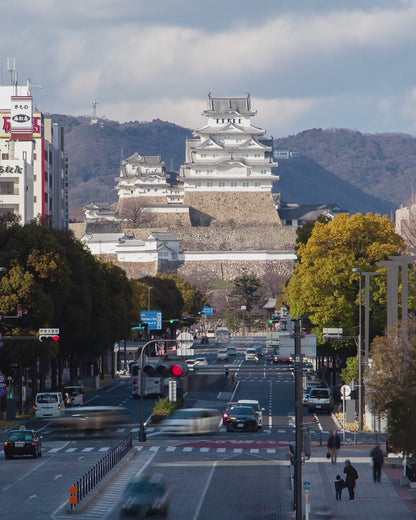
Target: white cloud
<point>304,65</point>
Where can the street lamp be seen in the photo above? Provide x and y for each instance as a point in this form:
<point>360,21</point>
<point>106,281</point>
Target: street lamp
<point>366,276</point>
<point>148,297</point>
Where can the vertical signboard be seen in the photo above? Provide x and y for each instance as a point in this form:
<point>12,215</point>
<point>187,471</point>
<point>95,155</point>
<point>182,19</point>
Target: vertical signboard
<point>21,118</point>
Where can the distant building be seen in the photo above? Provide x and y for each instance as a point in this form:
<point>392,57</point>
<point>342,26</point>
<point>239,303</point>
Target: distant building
<point>227,174</point>
<point>296,215</point>
<point>33,165</point>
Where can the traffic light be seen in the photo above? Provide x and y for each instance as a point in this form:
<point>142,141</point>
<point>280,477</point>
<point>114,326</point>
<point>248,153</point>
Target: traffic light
<point>165,369</point>
<point>49,338</point>
<point>292,455</point>
<point>51,335</point>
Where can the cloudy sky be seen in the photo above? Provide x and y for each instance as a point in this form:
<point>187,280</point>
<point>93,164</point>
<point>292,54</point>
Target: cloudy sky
<point>306,63</point>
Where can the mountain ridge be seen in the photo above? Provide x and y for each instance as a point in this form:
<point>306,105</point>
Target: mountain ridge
<point>360,172</point>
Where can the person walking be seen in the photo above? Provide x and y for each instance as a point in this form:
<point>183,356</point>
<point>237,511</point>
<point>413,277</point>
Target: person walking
<point>339,486</point>
<point>350,478</point>
<point>333,444</point>
<point>377,457</point>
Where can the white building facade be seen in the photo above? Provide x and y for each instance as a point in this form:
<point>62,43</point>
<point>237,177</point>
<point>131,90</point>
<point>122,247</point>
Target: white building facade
<point>33,166</point>
<point>227,154</point>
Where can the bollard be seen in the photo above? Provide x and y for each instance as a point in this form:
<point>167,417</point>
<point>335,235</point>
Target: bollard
<point>73,499</point>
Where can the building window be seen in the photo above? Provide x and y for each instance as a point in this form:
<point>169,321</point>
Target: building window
<point>288,222</point>
<point>233,184</point>
<point>221,184</point>
<point>5,156</point>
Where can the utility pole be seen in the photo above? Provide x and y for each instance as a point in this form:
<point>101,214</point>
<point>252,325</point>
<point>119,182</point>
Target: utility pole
<point>298,422</point>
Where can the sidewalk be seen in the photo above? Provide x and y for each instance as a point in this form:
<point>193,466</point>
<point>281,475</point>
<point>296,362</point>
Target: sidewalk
<point>386,500</point>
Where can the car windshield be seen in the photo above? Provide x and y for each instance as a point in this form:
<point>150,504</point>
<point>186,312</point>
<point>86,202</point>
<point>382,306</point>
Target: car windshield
<point>242,410</point>
<point>47,398</point>
<point>319,394</point>
<point>255,406</point>
<point>20,436</point>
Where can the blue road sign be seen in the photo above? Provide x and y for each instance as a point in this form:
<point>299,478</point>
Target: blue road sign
<point>153,319</point>
<point>307,486</point>
<point>207,311</point>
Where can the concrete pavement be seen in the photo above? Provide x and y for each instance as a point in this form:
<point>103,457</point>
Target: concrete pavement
<point>386,500</point>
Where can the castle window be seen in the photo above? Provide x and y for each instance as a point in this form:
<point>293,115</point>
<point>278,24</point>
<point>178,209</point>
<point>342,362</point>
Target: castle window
<point>221,184</point>
<point>209,184</point>
<point>233,184</point>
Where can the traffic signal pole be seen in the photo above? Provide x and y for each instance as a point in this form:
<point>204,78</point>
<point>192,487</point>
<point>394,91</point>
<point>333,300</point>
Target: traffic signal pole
<point>142,430</point>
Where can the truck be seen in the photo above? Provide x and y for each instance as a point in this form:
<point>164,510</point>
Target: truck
<point>152,386</point>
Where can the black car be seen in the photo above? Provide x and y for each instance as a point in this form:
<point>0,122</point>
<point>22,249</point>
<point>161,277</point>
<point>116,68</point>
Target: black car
<point>145,496</point>
<point>242,418</point>
<point>23,442</point>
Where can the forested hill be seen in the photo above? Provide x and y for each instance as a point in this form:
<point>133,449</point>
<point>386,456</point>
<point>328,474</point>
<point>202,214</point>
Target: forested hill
<point>360,172</point>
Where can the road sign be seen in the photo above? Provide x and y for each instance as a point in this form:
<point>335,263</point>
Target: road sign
<point>345,390</point>
<point>207,311</point>
<point>48,332</point>
<point>153,319</point>
<point>307,486</point>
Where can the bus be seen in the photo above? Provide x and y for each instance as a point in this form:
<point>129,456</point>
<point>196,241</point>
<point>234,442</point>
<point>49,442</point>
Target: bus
<point>152,386</point>
<point>222,335</point>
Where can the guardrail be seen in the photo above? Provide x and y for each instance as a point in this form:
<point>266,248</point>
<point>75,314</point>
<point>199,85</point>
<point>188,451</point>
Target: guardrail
<point>90,479</point>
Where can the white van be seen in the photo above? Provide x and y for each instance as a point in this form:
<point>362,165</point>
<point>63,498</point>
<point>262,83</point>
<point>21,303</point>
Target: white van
<point>49,404</point>
<point>251,354</point>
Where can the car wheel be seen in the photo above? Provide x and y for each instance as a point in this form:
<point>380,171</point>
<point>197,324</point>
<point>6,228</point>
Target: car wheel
<point>310,410</point>
<point>8,457</point>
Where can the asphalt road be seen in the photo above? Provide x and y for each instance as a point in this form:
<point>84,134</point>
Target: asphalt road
<point>226,475</point>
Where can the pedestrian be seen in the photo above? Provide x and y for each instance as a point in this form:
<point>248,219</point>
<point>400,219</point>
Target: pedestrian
<point>377,457</point>
<point>339,486</point>
<point>350,478</point>
<point>333,444</point>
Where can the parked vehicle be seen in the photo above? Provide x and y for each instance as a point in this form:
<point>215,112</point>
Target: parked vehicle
<point>320,399</point>
<point>256,407</point>
<point>231,351</point>
<point>145,496</point>
<point>192,420</point>
<point>211,333</point>
<point>75,394</point>
<point>22,442</point>
<point>49,404</point>
<point>242,418</point>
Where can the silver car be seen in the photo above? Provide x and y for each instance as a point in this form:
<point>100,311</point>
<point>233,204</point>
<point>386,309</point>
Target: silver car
<point>192,420</point>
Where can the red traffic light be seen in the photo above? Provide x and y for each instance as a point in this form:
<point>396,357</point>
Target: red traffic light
<point>55,338</point>
<point>177,370</point>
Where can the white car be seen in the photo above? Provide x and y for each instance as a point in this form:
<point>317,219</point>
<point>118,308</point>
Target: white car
<point>192,363</point>
<point>256,407</point>
<point>222,354</point>
<point>192,420</point>
<point>201,361</point>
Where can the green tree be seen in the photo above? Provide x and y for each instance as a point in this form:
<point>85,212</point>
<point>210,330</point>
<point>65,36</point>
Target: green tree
<point>245,290</point>
<point>193,298</point>
<point>391,383</point>
<point>323,285</point>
